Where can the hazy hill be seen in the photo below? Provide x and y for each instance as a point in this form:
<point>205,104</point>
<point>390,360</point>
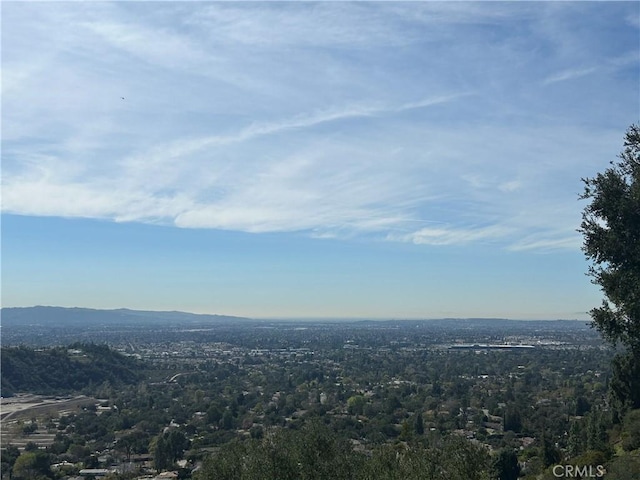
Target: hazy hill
<point>61,316</point>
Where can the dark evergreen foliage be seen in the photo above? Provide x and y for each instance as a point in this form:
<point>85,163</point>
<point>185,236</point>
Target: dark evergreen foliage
<point>505,465</point>
<point>611,229</point>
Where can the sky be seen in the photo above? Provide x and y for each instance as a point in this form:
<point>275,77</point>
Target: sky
<point>309,159</point>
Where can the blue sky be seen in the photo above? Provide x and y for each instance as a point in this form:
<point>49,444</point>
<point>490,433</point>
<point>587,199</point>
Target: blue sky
<point>298,159</point>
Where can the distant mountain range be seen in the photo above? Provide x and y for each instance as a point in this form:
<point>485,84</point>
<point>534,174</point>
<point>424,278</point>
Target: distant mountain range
<point>62,316</point>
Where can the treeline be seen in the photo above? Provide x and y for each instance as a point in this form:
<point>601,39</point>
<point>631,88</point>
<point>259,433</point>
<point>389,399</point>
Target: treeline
<point>316,452</point>
<point>65,369</point>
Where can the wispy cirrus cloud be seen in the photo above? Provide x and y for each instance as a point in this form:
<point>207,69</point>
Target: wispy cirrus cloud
<point>569,75</point>
<point>447,235</point>
<point>309,117</point>
<point>607,65</point>
<point>572,242</point>
<point>182,148</point>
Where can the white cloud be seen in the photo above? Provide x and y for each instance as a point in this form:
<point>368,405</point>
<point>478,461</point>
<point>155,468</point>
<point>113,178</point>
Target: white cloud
<point>283,117</point>
<point>606,66</point>
<point>633,20</point>
<point>568,75</point>
<point>572,242</point>
<point>455,235</point>
<point>510,186</point>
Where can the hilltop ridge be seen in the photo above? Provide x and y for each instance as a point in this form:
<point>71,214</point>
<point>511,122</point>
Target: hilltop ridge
<point>65,316</point>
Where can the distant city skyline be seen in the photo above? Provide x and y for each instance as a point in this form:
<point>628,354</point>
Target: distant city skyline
<point>309,160</point>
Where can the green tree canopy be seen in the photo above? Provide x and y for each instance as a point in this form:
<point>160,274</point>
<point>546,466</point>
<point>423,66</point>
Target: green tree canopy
<point>32,466</point>
<point>505,465</point>
<point>611,229</point>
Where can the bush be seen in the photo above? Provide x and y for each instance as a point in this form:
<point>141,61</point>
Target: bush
<point>631,431</point>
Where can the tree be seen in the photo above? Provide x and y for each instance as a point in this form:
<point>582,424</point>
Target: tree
<point>161,454</point>
<point>631,431</point>
<point>8,457</point>
<point>611,229</point>
<point>582,406</point>
<point>549,453</point>
<point>355,404</point>
<point>418,425</point>
<point>512,419</point>
<point>134,442</point>
<point>464,460</point>
<point>177,443</point>
<point>577,439</point>
<point>227,420</point>
<point>596,432</point>
<point>169,447</point>
<point>624,467</point>
<point>625,381</point>
<point>32,466</point>
<point>227,465</point>
<point>505,465</point>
